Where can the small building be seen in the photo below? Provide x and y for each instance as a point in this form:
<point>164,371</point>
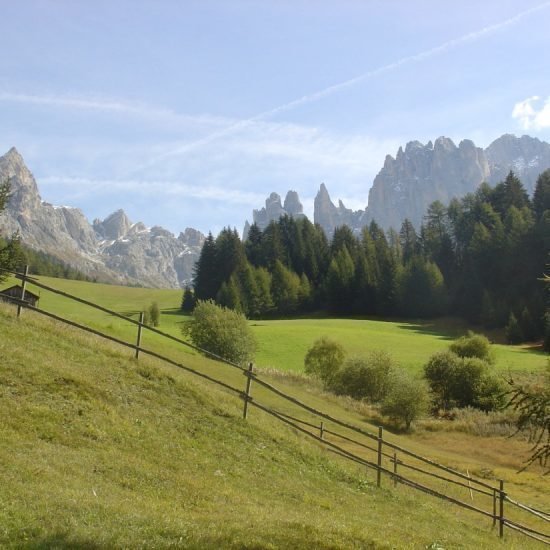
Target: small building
<point>15,292</point>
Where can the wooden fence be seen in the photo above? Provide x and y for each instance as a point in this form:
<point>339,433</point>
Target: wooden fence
<point>376,453</point>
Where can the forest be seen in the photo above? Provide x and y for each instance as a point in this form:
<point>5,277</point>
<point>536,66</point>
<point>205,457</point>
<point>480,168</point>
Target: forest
<point>482,258</point>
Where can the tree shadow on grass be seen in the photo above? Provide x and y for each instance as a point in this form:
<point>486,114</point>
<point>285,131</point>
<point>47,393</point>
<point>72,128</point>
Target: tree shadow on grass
<point>433,329</point>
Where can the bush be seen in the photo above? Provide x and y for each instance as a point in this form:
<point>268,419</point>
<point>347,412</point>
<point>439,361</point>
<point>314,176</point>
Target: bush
<point>407,399</point>
<point>222,332</point>
<point>439,372</point>
<point>462,382</point>
<point>154,314</point>
<point>365,377</point>
<point>473,345</point>
<point>324,359</point>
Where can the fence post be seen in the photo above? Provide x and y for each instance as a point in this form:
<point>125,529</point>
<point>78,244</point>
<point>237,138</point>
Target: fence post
<point>494,507</point>
<point>395,469</point>
<point>248,374</point>
<point>140,326</point>
<point>379,468</point>
<point>23,289</point>
<point>322,430</point>
<point>502,494</point>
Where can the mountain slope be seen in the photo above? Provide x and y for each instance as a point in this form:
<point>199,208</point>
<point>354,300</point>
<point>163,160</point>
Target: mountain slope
<point>100,451</point>
<point>112,250</point>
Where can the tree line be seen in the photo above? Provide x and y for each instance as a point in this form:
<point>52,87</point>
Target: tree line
<point>480,258</point>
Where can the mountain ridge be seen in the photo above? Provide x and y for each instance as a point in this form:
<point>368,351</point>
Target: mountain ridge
<point>112,250</point>
<point>441,170</point>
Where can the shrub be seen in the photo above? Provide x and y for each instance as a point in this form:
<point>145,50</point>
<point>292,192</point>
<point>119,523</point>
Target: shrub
<point>222,332</point>
<point>407,399</point>
<point>462,382</point>
<point>365,377</point>
<point>473,345</point>
<point>154,314</point>
<point>475,386</point>
<point>324,359</point>
<point>439,372</point>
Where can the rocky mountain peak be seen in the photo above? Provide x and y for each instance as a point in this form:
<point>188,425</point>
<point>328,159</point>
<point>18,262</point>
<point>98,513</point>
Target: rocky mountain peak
<point>24,195</point>
<point>422,174</point>
<point>273,210</point>
<point>192,237</point>
<point>444,145</point>
<point>292,205</point>
<point>526,156</point>
<point>112,250</point>
<point>114,226</point>
<point>329,216</point>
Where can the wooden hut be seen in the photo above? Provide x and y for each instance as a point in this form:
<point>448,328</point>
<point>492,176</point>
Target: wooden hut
<point>15,292</point>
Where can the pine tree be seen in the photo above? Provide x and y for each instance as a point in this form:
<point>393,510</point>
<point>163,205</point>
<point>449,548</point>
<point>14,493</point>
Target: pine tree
<point>188,300</point>
<point>253,245</point>
<point>206,280</point>
<point>285,288</point>
<point>408,240</point>
<point>509,193</point>
<point>340,281</point>
<point>541,196</point>
<point>513,330</point>
<point>228,296</point>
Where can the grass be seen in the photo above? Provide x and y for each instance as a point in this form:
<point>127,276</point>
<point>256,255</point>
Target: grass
<point>100,451</point>
<point>281,344</point>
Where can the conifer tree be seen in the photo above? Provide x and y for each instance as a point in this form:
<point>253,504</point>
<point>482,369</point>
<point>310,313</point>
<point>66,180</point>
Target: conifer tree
<point>188,300</point>
<point>206,281</point>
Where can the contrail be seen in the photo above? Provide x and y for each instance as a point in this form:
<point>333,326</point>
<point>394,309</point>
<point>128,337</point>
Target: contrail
<point>442,48</point>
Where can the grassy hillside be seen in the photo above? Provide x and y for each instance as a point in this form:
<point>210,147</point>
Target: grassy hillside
<point>99,451</point>
<point>282,344</point>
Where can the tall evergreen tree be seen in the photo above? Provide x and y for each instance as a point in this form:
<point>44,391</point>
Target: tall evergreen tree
<point>206,281</point>
<point>541,196</point>
<point>408,240</point>
<point>253,245</point>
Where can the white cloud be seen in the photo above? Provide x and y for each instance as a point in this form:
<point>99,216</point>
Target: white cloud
<point>532,114</point>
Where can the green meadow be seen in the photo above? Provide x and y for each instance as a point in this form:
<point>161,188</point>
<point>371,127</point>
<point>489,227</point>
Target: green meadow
<point>282,344</point>
<point>101,451</point>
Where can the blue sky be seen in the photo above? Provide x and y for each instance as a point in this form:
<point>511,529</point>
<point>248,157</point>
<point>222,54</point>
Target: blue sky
<point>188,114</point>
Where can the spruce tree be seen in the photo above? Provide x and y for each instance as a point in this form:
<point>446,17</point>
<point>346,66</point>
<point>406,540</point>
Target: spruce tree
<point>206,282</point>
<point>541,196</point>
<point>188,300</point>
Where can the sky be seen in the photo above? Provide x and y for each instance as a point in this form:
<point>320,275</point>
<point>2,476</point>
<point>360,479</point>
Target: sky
<point>190,113</point>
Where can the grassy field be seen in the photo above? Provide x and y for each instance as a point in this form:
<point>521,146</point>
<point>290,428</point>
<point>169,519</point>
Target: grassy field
<point>281,344</point>
<point>100,451</point>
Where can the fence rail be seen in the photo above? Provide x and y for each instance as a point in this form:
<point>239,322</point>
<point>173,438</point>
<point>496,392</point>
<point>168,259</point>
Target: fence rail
<point>335,441</point>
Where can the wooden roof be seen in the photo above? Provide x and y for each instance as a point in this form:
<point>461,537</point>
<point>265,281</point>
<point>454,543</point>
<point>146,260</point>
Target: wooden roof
<point>14,287</point>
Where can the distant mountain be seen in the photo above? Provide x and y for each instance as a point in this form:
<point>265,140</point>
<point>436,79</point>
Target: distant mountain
<point>113,250</point>
<point>421,174</point>
<point>274,210</point>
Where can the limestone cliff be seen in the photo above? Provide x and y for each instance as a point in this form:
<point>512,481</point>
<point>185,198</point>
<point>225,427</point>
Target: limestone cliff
<point>113,249</point>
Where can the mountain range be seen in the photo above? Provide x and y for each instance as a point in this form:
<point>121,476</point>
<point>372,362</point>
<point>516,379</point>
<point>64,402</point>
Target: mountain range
<point>117,250</point>
<point>419,175</point>
<point>111,250</point>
